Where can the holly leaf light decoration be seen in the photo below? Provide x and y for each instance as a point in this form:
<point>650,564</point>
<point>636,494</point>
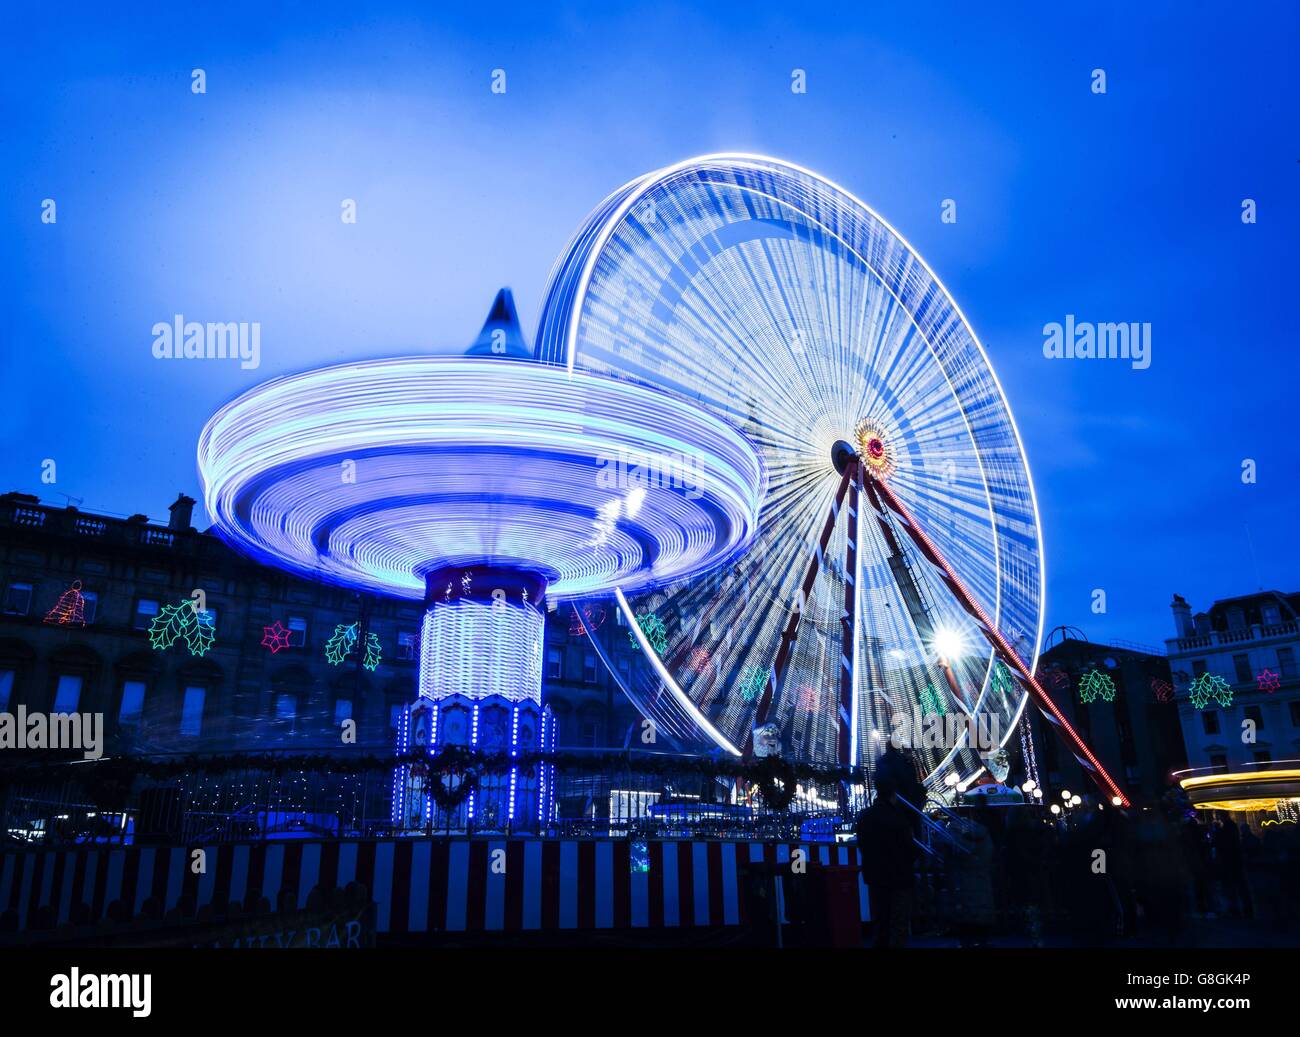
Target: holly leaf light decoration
<point>373,653</point>
<point>932,702</point>
<point>1161,689</point>
<point>1267,681</point>
<point>1209,686</point>
<point>340,644</point>
<point>752,681</point>
<point>202,633</point>
<point>1003,682</point>
<point>1094,685</point>
<point>182,621</point>
<point>655,632</point>
<point>343,642</point>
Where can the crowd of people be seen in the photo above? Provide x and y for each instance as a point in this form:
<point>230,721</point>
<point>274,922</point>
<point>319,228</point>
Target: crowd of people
<point>1097,876</point>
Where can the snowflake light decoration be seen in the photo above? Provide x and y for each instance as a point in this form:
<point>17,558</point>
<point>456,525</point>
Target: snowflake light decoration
<point>1209,686</point>
<point>1267,681</point>
<point>343,642</point>
<point>1054,678</point>
<point>699,660</point>
<point>590,618</point>
<point>655,632</point>
<point>1093,685</point>
<point>275,637</point>
<point>183,620</point>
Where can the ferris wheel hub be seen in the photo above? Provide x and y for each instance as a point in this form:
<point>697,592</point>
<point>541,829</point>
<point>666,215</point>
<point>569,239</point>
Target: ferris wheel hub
<point>871,446</point>
<point>842,455</point>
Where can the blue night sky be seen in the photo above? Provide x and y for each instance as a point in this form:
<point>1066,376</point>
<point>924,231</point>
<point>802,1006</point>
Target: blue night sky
<point>1122,207</point>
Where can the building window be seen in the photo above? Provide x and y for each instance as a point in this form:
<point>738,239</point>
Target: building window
<point>342,711</point>
<point>1218,760</point>
<point>1263,756</point>
<point>624,665</point>
<point>1198,667</point>
<point>406,644</point>
<point>7,691</point>
<point>132,707</point>
<point>1294,704</point>
<point>1241,666</point>
<point>18,599</point>
<point>67,695</point>
<point>1256,714</point>
<point>145,610</point>
<point>297,632</point>
<point>1272,615</point>
<point>1286,662</point>
<point>90,606</point>
<point>395,716</point>
<point>554,664</point>
<point>192,711</point>
<point>1210,722</point>
<point>286,706</point>
<point>589,667</point>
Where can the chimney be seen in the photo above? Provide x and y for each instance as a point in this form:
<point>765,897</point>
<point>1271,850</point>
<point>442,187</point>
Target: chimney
<point>1182,616</point>
<point>181,512</point>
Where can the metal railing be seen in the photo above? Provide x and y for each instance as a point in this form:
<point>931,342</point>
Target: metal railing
<point>644,798</point>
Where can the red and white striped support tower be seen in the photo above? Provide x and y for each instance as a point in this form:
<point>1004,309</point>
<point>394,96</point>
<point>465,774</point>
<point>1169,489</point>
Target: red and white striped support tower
<point>848,625</point>
<point>869,474</point>
<point>993,635</point>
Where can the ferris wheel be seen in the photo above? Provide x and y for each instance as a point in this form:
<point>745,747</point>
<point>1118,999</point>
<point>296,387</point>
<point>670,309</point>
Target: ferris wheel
<point>896,573</point>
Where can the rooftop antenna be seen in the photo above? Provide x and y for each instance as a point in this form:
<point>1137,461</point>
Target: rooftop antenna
<point>1254,559</point>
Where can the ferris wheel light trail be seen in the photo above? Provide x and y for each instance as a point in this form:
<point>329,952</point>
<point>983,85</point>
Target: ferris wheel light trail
<point>784,305</point>
<point>671,684</point>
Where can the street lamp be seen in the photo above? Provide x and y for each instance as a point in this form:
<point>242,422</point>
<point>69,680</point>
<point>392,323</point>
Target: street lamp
<point>948,643</point>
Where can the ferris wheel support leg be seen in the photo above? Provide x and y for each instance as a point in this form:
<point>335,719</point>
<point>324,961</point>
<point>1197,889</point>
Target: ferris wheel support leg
<point>1008,655</point>
<point>777,671</point>
<point>848,634</point>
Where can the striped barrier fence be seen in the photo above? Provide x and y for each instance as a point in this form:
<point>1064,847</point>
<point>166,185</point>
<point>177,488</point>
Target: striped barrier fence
<point>421,885</point>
